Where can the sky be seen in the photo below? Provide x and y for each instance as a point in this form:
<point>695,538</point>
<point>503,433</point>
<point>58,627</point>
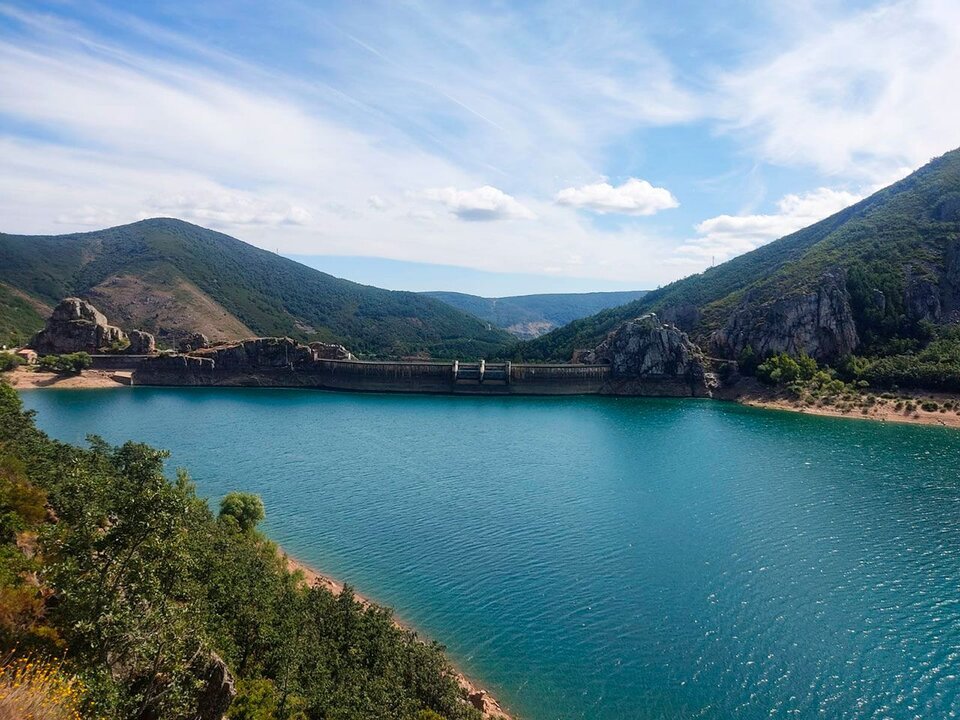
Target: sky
<point>495,148</point>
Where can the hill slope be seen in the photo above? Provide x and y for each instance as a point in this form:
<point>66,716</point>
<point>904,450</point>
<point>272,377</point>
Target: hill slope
<point>893,258</point>
<point>529,316</point>
<point>173,278</point>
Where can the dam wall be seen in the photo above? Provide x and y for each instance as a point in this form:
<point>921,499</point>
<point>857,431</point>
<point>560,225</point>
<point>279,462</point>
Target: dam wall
<point>372,376</point>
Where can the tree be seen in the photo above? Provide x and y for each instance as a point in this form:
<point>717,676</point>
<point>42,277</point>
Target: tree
<point>71,363</point>
<point>245,509</point>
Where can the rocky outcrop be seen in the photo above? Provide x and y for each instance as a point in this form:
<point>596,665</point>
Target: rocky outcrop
<point>922,298</point>
<point>653,356</point>
<point>196,341</point>
<point>819,323</point>
<point>217,691</point>
<point>76,326</point>
<point>258,354</point>
<point>141,343</point>
<point>330,351</point>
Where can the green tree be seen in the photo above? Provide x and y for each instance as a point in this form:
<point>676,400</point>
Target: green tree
<point>244,509</point>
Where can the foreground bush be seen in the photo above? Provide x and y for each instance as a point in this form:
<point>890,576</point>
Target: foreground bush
<point>34,689</point>
<point>152,591</point>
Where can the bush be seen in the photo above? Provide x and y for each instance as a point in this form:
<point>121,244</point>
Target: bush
<point>782,369</point>
<point>245,510</point>
<point>929,406</point>
<point>73,363</point>
<point>38,689</point>
<point>8,361</point>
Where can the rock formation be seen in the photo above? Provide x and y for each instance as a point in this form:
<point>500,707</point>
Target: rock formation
<point>141,343</point>
<point>217,692</point>
<point>258,354</point>
<point>196,341</point>
<point>650,352</point>
<point>76,326</point>
<point>330,351</point>
<point>819,323</point>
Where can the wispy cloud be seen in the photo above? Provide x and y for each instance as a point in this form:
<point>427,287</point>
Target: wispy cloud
<point>863,96</point>
<point>321,135</point>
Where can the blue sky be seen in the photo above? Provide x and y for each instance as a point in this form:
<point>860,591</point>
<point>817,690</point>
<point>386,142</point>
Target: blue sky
<point>497,148</point>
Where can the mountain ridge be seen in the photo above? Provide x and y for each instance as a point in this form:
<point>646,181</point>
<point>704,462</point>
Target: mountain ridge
<point>168,276</point>
<point>893,248</point>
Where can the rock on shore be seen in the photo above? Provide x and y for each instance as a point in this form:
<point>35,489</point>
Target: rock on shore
<point>652,358</point>
<point>76,326</point>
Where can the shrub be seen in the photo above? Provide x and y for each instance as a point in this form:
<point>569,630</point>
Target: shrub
<point>72,363</point>
<point>929,406</point>
<point>39,690</point>
<point>784,369</point>
<point>243,509</point>
<point>8,361</point>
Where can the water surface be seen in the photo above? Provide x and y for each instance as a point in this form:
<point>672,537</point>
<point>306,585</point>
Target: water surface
<point>603,558</point>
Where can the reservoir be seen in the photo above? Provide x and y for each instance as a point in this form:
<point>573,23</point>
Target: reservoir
<point>602,558</point>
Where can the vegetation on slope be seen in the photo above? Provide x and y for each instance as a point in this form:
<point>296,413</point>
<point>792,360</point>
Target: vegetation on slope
<point>167,276</point>
<point>529,316</point>
<point>906,231</point>
<point>132,580</point>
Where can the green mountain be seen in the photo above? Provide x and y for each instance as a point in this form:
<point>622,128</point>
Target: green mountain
<point>173,278</point>
<point>529,316</point>
<point>876,279</point>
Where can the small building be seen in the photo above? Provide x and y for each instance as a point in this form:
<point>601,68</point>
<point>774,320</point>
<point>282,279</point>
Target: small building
<point>28,356</point>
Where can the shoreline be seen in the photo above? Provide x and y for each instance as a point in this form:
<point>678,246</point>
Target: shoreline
<point>883,411</point>
<point>27,379</point>
<point>476,695</point>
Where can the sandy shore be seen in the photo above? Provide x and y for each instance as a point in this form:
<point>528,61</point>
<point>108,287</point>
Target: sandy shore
<point>884,411</point>
<point>26,379</point>
<point>479,697</point>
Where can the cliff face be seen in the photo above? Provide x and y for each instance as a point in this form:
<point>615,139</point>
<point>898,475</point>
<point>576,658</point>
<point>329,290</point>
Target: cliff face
<point>819,323</point>
<point>76,326</point>
<point>648,357</point>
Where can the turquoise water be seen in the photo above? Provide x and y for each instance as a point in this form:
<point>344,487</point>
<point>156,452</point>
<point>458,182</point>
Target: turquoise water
<point>604,558</point>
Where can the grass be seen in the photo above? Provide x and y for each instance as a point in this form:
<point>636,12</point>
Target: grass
<point>37,689</point>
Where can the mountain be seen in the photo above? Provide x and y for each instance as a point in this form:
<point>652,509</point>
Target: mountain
<point>529,316</point>
<point>173,278</point>
<point>873,279</point>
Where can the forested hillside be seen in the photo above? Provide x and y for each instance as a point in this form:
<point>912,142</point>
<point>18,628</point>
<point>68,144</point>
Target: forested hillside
<point>173,279</point>
<point>123,596</point>
<point>888,263</point>
<point>529,316</point>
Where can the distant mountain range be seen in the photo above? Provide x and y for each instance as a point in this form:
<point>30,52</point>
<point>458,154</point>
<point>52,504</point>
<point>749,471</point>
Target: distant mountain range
<point>173,278</point>
<point>529,316</point>
<point>874,279</point>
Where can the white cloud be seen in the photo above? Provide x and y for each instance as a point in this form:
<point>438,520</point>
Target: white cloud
<point>634,197</point>
<point>377,202</point>
<point>861,96</point>
<point>724,236</point>
<point>227,207</point>
<point>482,203</point>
